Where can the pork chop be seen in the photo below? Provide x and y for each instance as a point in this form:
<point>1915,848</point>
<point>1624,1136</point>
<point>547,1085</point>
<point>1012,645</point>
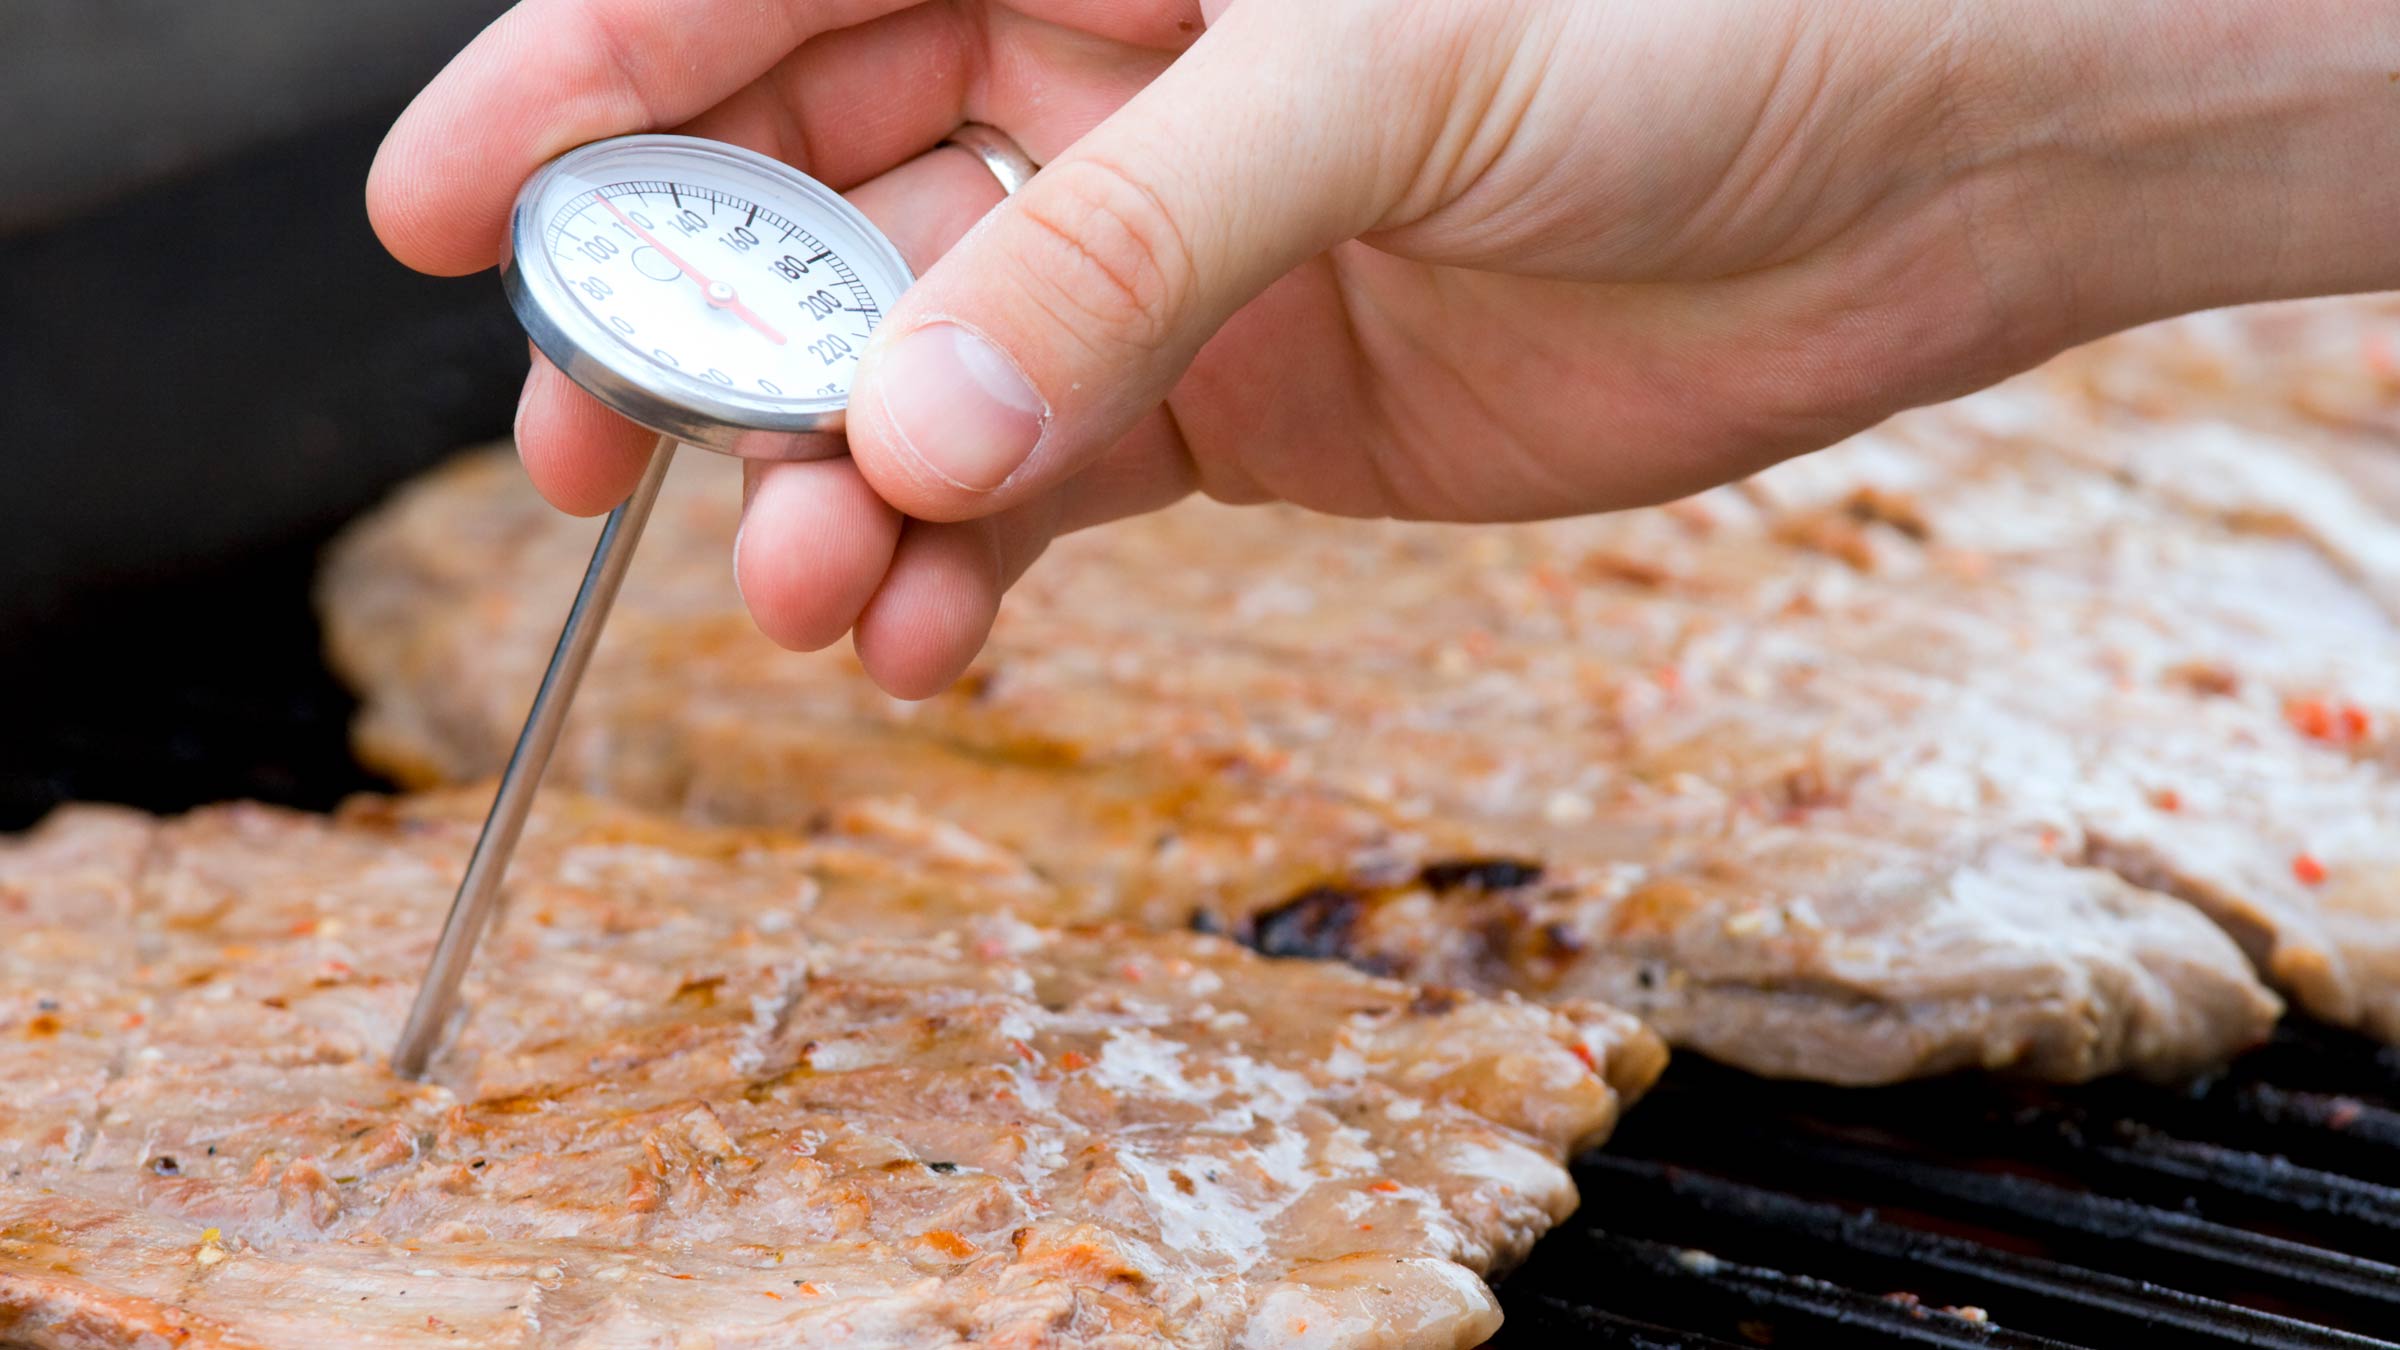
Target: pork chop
<point>2010,734</point>
<point>732,1088</point>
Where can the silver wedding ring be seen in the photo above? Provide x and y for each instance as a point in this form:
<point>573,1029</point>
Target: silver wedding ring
<point>1008,162</point>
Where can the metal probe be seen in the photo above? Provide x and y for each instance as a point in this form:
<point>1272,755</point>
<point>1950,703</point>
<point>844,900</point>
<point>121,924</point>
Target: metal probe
<point>752,357</point>
<point>479,891</point>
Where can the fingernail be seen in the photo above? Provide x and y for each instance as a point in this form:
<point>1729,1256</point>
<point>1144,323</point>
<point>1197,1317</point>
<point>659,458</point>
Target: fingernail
<point>750,473</point>
<point>516,424</point>
<point>738,592</point>
<point>960,406</point>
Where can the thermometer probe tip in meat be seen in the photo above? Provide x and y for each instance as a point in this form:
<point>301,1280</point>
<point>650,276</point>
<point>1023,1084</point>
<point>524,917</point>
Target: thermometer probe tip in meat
<point>716,297</point>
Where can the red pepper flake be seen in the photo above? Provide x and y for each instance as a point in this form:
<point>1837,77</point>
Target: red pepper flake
<point>1366,1228</point>
<point>1669,678</point>
<point>2167,799</point>
<point>1073,1060</point>
<point>2306,867</point>
<point>772,1294</point>
<point>2049,840</point>
<point>1386,1186</point>
<point>949,1244</point>
<point>683,1277</point>
<point>1024,1051</point>
<point>1551,580</point>
<point>1584,1053</point>
<point>808,1290</point>
<point>2318,720</point>
<point>2310,717</point>
<point>1133,972</point>
<point>304,928</point>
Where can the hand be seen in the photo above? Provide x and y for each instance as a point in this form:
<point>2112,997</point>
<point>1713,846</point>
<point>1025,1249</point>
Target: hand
<point>1455,259</point>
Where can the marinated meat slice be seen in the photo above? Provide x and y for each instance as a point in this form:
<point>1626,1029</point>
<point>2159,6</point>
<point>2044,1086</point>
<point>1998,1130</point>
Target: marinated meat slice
<point>734,1086</point>
<point>2019,626</point>
<point>2190,681</point>
<point>1831,958</point>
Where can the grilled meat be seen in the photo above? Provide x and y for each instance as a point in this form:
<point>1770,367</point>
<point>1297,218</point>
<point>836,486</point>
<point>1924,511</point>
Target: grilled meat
<point>735,1088</point>
<point>2013,733</point>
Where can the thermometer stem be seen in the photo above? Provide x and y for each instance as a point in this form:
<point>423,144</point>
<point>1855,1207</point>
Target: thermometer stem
<point>707,287</point>
<point>478,897</point>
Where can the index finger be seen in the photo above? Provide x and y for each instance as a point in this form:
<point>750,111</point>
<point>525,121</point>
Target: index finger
<point>550,75</point>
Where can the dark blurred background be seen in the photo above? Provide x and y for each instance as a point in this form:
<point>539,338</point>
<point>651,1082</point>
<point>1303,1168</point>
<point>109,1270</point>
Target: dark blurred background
<point>207,365</point>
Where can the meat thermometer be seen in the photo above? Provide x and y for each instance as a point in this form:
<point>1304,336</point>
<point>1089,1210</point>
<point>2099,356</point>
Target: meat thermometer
<point>712,295</point>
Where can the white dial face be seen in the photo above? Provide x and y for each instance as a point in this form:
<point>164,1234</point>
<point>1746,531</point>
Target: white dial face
<point>729,276</point>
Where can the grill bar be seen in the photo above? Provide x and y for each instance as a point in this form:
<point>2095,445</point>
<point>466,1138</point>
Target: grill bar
<point>2334,1119</point>
<point>2335,1131</point>
<point>2272,1188</point>
<point>2322,1059</point>
<point>1546,1319</point>
<point>2126,1156</point>
<point>1668,1284</point>
<point>2103,1231</point>
<point>1868,1252</point>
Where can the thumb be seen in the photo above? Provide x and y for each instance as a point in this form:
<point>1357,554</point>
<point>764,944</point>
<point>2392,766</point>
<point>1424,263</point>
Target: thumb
<point>1072,309</point>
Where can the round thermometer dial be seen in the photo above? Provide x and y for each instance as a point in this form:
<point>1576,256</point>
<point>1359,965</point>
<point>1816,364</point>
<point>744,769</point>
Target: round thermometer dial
<point>704,291</point>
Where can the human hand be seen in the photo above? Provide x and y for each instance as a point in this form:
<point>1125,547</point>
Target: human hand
<point>1455,259</point>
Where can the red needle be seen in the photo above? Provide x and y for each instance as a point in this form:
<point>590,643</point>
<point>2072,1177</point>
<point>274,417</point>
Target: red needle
<point>718,293</point>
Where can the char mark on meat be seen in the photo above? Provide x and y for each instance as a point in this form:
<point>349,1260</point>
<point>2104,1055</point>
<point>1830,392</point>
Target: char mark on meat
<point>1316,923</point>
<point>1487,875</point>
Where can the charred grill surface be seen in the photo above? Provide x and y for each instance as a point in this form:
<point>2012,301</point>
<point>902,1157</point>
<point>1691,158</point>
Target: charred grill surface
<point>2253,1210</point>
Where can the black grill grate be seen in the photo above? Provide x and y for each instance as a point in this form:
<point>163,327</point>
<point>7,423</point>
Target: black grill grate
<point>2259,1209</point>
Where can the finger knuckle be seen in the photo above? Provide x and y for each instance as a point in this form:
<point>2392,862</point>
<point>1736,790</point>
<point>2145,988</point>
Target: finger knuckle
<point>1110,259</point>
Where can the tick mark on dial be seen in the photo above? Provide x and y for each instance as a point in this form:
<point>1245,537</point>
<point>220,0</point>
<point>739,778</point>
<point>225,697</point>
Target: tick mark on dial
<point>752,218</point>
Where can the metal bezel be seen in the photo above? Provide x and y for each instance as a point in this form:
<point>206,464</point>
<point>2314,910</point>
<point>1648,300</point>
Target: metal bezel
<point>669,402</point>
